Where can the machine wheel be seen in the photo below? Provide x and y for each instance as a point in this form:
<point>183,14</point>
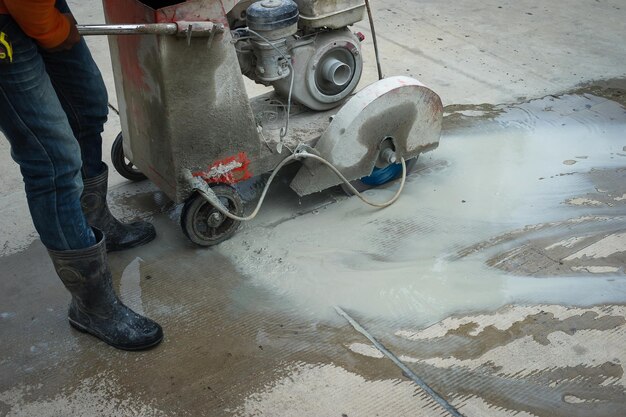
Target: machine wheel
<point>122,165</point>
<point>380,176</point>
<point>203,224</point>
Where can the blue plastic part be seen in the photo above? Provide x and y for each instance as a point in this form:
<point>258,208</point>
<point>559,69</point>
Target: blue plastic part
<point>380,176</point>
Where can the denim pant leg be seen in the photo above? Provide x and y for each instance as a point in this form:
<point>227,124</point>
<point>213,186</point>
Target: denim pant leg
<point>42,143</point>
<point>81,90</point>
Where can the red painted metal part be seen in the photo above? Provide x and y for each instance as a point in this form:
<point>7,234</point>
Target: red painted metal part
<point>229,170</point>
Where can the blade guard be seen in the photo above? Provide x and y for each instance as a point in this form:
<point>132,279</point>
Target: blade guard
<point>398,107</point>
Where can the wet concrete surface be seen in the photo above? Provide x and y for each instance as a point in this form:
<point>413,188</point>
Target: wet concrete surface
<point>499,312</point>
<point>498,277</point>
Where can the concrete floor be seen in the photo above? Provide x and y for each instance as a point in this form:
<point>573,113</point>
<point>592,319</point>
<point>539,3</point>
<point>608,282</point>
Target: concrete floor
<point>497,278</point>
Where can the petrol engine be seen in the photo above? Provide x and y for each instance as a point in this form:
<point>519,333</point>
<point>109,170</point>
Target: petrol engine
<point>303,48</point>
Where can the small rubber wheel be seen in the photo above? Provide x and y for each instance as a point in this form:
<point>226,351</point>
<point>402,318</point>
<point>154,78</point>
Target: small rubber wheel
<point>122,165</point>
<point>380,176</point>
<point>203,224</point>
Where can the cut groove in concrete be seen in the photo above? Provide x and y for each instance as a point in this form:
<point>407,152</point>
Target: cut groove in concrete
<point>405,369</point>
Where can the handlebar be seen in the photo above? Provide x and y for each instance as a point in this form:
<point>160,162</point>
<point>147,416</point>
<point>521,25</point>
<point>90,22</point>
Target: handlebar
<point>181,28</point>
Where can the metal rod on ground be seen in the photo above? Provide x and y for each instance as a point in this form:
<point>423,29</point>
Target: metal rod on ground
<point>438,398</point>
<point>371,18</point>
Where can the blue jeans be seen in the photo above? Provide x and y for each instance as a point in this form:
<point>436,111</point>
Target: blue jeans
<point>52,110</point>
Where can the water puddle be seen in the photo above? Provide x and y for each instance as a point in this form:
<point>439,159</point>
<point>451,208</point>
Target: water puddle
<point>516,171</point>
<point>130,288</point>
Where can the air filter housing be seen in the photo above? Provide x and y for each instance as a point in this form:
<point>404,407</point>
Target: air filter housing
<point>273,19</point>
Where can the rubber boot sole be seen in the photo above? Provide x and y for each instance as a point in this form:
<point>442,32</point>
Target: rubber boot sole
<point>84,329</point>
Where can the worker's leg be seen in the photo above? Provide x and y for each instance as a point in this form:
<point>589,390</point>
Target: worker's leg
<point>42,143</point>
<point>81,90</point>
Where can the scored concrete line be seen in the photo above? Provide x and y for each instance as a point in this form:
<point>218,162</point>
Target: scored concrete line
<point>405,369</point>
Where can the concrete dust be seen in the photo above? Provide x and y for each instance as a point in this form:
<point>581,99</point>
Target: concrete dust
<point>366,350</point>
<point>581,201</point>
<point>596,269</point>
<point>612,244</point>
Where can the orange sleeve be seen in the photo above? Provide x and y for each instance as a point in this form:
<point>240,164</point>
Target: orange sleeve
<point>40,20</point>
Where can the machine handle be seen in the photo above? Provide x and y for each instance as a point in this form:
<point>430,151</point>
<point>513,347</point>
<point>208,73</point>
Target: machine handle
<point>181,28</point>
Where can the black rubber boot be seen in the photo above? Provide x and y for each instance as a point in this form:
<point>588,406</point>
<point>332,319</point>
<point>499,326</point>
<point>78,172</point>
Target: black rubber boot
<point>119,236</point>
<point>95,308</point>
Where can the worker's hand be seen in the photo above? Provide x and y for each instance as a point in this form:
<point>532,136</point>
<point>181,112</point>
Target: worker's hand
<point>72,39</point>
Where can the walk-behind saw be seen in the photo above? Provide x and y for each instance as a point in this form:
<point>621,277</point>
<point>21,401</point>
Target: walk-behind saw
<point>190,127</point>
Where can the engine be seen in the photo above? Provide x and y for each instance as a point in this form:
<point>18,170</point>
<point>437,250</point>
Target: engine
<point>303,48</point>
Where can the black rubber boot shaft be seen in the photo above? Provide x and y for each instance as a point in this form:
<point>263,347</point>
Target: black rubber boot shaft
<point>95,308</point>
<point>119,236</point>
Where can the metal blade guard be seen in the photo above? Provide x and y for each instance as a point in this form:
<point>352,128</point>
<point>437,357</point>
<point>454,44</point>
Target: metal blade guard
<point>397,113</point>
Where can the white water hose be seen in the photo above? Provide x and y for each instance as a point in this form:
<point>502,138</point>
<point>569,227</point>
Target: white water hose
<point>209,195</point>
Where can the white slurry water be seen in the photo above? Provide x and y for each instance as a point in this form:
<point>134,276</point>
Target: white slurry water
<point>497,177</point>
